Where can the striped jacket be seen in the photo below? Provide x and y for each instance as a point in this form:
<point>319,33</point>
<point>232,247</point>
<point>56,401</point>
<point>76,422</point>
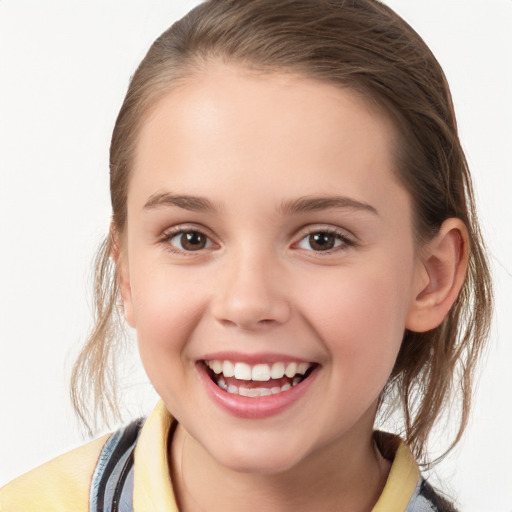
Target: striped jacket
<point>127,471</point>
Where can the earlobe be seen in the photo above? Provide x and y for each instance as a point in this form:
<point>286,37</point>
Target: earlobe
<point>123,276</point>
<point>443,263</point>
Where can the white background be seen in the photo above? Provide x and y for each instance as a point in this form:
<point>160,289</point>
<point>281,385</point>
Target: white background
<point>64,69</point>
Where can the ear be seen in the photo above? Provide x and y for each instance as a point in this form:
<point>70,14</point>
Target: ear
<point>118,254</point>
<point>443,263</point>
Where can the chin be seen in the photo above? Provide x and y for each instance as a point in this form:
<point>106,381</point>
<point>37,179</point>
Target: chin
<point>259,458</point>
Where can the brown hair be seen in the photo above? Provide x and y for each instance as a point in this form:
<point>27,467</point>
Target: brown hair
<point>357,44</point>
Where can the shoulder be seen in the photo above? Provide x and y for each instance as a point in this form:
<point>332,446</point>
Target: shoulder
<point>61,484</point>
<point>439,503</point>
<point>427,499</point>
<point>405,488</point>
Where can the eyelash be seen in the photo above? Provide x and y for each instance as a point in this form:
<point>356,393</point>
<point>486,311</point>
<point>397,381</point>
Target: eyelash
<point>180,231</point>
<point>340,236</point>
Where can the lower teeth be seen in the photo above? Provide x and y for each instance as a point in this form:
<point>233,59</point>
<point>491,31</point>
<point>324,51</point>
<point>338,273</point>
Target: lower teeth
<point>256,392</point>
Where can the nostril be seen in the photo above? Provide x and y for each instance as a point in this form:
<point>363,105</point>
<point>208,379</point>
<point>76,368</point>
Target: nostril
<point>251,311</point>
<point>248,324</point>
<point>249,300</point>
<point>266,321</point>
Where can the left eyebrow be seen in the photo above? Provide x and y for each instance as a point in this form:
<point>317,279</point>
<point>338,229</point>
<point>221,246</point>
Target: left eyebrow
<point>313,204</point>
<point>187,202</point>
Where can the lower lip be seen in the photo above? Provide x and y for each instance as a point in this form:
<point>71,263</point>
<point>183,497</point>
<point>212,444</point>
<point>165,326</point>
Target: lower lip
<point>255,407</point>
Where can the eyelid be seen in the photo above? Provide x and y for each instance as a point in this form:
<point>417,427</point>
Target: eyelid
<point>179,234</point>
<point>348,238</point>
<point>173,231</point>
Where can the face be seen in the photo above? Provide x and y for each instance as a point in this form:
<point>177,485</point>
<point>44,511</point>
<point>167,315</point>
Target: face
<point>269,264</point>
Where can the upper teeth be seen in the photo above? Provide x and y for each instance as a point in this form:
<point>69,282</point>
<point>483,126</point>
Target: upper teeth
<point>259,372</point>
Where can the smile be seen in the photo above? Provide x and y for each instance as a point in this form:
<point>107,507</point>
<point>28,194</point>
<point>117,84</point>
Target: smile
<point>259,380</point>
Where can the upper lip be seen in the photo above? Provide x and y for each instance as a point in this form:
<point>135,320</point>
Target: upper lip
<point>252,359</point>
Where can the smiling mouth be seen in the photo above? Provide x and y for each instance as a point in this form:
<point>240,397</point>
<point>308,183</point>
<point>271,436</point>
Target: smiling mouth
<point>257,380</point>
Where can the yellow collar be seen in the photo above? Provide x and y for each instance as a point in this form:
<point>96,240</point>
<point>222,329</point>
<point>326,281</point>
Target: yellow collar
<point>153,488</point>
<point>402,479</point>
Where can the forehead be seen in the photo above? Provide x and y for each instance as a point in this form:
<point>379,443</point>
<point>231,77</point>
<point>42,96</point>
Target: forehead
<point>232,124</point>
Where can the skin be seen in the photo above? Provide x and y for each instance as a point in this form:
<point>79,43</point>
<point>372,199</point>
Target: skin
<point>250,146</point>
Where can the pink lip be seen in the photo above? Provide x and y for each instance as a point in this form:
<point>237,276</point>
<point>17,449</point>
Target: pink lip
<point>252,359</point>
<point>253,408</point>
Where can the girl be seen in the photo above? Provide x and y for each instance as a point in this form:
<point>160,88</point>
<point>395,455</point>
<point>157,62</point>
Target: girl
<point>294,242</point>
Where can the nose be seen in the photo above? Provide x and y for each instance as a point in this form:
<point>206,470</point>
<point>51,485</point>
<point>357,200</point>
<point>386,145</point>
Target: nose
<point>251,293</point>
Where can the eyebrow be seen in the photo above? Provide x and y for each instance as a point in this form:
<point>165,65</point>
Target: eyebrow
<point>313,204</point>
<point>187,202</point>
<point>300,205</point>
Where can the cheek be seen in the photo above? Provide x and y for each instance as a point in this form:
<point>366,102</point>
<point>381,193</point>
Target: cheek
<point>166,312</point>
<point>360,317</point>
<point>167,306</point>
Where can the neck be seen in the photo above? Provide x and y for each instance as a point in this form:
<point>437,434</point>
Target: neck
<point>347,475</point>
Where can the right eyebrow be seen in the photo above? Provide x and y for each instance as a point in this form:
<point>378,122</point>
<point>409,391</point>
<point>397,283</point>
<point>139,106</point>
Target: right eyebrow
<point>313,204</point>
<point>187,202</point>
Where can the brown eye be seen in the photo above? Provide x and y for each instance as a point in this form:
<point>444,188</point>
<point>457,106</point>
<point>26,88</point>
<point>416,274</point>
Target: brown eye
<point>190,241</point>
<point>323,241</point>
